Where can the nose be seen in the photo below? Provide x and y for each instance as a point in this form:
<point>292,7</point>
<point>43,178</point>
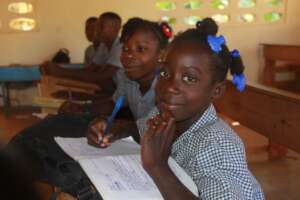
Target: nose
<point>128,53</point>
<point>172,86</point>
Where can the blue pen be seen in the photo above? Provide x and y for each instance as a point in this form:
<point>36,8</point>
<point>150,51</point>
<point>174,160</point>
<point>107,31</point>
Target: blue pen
<point>118,105</point>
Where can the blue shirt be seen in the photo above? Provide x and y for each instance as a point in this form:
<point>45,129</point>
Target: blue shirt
<point>140,105</point>
<point>214,157</point>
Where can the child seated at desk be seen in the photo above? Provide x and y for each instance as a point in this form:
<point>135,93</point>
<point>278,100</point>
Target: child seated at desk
<point>89,53</point>
<point>106,60</point>
<point>186,127</point>
<point>140,57</point>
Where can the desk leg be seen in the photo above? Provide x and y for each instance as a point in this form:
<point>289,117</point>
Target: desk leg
<point>6,103</point>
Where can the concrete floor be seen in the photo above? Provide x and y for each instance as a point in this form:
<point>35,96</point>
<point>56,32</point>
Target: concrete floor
<point>280,178</point>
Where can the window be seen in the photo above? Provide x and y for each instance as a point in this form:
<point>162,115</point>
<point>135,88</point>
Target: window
<point>165,5</point>
<point>20,7</point>
<point>247,17</point>
<point>221,18</point>
<point>22,24</point>
<point>191,20</point>
<point>169,20</point>
<point>272,16</point>
<point>182,13</point>
<point>220,4</point>
<point>247,3</point>
<point>273,3</point>
<point>193,5</point>
<point>18,16</point>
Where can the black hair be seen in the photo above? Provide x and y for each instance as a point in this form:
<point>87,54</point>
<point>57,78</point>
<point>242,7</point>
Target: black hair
<point>220,62</point>
<point>90,20</point>
<point>130,27</point>
<point>154,27</point>
<point>111,15</point>
<point>16,180</point>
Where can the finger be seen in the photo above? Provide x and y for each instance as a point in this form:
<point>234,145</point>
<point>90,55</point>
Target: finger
<point>169,132</point>
<point>154,122</point>
<point>98,132</point>
<point>166,115</point>
<point>92,138</point>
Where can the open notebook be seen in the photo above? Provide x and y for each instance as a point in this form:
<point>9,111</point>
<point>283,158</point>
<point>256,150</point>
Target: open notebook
<point>116,171</point>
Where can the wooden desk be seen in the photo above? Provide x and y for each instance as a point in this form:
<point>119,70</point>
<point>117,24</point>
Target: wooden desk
<point>272,112</point>
<point>274,53</point>
<point>21,74</point>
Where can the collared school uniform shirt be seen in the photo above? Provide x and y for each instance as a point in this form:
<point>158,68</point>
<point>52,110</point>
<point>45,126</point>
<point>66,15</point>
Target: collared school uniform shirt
<point>140,105</point>
<point>214,156</point>
<point>105,56</point>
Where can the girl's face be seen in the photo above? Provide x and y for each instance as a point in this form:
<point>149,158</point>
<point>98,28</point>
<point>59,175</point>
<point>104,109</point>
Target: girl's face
<point>185,88</point>
<point>140,55</point>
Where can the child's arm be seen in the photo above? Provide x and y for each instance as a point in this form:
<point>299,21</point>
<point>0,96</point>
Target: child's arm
<point>102,106</point>
<point>156,148</point>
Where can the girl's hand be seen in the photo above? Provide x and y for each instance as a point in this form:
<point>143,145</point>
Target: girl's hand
<point>157,142</point>
<point>95,134</point>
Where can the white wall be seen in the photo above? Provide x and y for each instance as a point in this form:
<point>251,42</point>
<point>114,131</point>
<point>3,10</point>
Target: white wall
<point>61,24</point>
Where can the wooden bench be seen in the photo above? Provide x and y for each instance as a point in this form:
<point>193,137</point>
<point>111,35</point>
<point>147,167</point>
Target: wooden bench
<point>278,59</point>
<point>272,112</point>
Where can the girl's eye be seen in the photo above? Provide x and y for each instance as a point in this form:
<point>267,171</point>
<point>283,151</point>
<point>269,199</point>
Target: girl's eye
<point>164,74</point>
<point>141,49</point>
<point>189,79</point>
<point>125,49</point>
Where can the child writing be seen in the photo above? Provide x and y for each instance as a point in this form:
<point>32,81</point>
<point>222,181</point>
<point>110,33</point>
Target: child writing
<point>187,127</point>
<point>140,55</point>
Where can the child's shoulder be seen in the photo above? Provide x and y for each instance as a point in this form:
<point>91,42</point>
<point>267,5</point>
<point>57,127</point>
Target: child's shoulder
<point>221,134</point>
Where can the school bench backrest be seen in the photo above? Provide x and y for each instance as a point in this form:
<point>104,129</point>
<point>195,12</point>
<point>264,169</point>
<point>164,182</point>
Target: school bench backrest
<point>272,112</point>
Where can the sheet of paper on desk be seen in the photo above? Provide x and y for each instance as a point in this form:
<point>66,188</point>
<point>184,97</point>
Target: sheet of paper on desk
<point>78,148</point>
<point>123,177</point>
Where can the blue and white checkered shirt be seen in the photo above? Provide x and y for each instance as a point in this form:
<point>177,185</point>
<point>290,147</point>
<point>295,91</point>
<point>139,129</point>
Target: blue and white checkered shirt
<point>140,105</point>
<point>214,156</point>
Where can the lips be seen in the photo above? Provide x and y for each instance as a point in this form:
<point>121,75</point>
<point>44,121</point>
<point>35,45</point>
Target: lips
<point>169,104</point>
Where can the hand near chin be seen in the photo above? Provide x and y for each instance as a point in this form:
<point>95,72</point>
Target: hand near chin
<point>157,142</point>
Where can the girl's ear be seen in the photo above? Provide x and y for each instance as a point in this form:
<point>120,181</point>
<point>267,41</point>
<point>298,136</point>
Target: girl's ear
<point>219,90</point>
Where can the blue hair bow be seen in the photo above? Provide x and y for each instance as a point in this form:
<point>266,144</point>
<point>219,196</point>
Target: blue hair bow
<point>235,53</point>
<point>239,81</point>
<point>216,43</point>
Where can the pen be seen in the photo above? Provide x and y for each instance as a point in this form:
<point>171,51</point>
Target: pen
<point>118,105</point>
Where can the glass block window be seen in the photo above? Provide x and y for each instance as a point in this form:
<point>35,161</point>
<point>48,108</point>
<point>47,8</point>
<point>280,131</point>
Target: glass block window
<point>247,17</point>
<point>247,3</point>
<point>193,5</point>
<point>20,7</point>
<point>191,20</point>
<point>221,18</point>
<point>165,5</point>
<point>170,20</point>
<point>184,13</point>
<point>18,16</point>
<point>220,4</point>
<point>272,16</point>
<point>22,24</point>
<point>273,3</point>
